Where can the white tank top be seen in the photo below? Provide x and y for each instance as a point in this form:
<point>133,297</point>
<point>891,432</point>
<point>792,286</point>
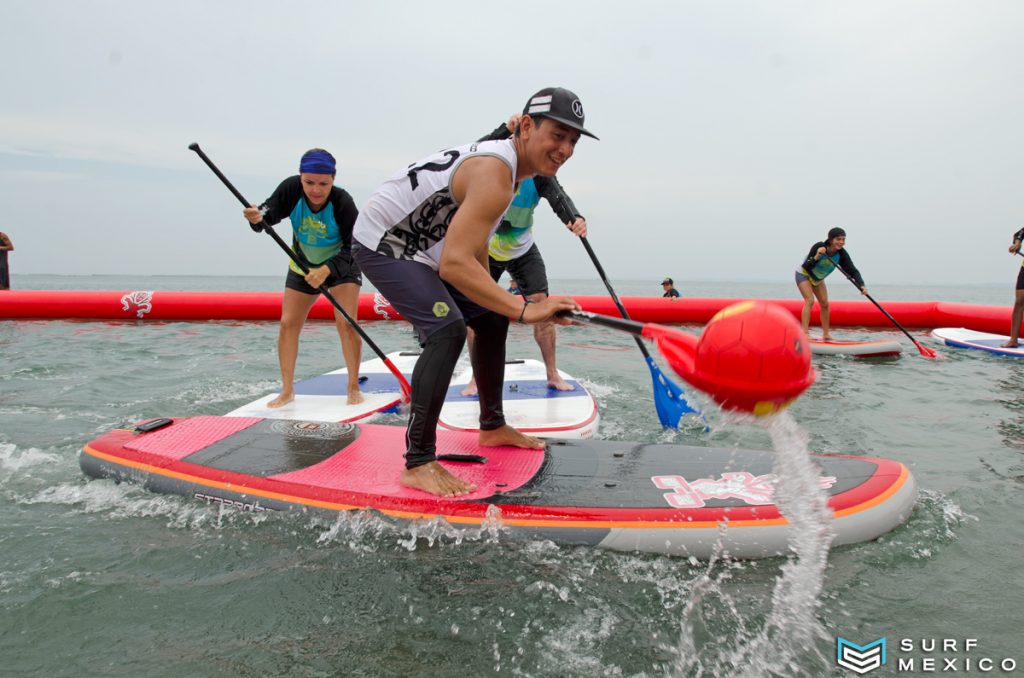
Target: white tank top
<point>407,217</point>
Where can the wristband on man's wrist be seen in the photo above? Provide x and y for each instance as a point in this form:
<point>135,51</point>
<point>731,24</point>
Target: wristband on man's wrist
<point>526,302</point>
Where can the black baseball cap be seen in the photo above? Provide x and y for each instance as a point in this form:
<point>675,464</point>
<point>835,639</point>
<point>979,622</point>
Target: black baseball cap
<point>667,281</point>
<point>558,104</point>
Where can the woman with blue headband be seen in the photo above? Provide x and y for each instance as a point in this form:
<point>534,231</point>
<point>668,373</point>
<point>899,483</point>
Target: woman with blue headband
<point>322,216</point>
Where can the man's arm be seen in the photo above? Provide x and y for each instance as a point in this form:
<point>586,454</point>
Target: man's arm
<point>5,243</point>
<point>483,188</point>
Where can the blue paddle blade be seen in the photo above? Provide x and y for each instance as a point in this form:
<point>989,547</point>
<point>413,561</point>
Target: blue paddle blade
<point>669,399</point>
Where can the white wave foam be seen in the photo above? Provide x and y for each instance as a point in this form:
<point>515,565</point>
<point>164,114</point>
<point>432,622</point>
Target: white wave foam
<point>13,459</point>
<point>790,635</point>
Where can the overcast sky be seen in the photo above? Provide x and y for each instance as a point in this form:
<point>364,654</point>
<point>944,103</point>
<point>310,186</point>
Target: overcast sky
<point>733,134</point>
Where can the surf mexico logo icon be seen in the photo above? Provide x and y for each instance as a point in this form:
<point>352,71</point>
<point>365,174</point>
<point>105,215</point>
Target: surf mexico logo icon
<point>860,658</point>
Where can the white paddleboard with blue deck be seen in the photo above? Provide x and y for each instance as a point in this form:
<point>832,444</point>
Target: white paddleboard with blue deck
<point>325,396</point>
<point>961,337</point>
<point>529,404</point>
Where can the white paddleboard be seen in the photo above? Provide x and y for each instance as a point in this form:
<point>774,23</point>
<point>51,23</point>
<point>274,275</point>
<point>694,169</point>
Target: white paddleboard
<point>530,405</point>
<point>324,397</point>
<point>983,341</point>
<point>859,349</point>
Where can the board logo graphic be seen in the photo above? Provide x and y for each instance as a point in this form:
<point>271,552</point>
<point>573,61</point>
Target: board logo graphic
<point>860,658</point>
<point>742,485</point>
<point>440,309</point>
<point>139,302</point>
<point>312,429</point>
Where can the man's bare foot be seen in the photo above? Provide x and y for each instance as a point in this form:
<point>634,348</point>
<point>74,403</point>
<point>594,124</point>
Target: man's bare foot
<point>506,435</point>
<point>1010,344</point>
<point>826,337</point>
<point>281,400</point>
<point>560,384</point>
<point>470,389</point>
<point>355,397</point>
<point>435,479</point>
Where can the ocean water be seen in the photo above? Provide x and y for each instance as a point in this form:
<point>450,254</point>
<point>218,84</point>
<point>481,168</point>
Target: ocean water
<point>98,578</point>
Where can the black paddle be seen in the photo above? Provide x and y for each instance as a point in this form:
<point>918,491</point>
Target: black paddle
<point>924,350</point>
<point>669,399</point>
<point>402,382</point>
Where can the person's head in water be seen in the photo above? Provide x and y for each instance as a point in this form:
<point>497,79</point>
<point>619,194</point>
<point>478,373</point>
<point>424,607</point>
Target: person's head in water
<point>836,239</point>
<point>317,169</point>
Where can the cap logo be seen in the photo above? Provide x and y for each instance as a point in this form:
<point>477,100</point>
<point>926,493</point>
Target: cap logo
<point>541,104</point>
<point>577,108</point>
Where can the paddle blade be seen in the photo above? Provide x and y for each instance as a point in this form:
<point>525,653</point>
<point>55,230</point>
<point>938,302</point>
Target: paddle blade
<point>752,356</point>
<point>669,399</point>
<point>925,351</point>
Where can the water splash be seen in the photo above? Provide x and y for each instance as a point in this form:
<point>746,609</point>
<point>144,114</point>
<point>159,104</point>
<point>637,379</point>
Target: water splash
<point>788,640</point>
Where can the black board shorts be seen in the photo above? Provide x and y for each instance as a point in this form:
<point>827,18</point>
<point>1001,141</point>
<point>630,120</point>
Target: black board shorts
<point>417,292</point>
<point>1020,279</point>
<point>527,270</point>
<point>350,274</point>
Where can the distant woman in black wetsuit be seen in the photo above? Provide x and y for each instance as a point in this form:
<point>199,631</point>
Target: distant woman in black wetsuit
<point>810,277</point>
<point>1018,300</point>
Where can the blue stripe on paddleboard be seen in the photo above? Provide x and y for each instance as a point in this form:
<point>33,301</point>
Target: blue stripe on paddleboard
<point>534,389</point>
<point>337,384</point>
<point>987,345</point>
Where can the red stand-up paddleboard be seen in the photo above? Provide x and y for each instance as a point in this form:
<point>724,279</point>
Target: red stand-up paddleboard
<point>625,496</point>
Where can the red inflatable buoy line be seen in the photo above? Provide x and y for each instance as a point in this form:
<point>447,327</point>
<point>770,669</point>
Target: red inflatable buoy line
<point>752,356</point>
<point>222,305</point>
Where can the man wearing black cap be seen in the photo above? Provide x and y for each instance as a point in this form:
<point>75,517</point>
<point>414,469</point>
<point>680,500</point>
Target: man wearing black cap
<point>670,291</point>
<point>422,241</point>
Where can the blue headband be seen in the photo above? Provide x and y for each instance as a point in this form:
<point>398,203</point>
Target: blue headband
<point>317,162</point>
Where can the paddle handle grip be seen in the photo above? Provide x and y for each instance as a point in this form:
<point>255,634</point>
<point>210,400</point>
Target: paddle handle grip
<point>209,163</point>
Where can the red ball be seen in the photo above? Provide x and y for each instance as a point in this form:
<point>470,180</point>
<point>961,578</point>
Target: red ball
<point>753,356</point>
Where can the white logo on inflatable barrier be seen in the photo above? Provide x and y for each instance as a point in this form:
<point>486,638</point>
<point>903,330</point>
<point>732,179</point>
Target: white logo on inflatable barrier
<point>745,486</point>
<point>380,305</point>
<point>140,302</point>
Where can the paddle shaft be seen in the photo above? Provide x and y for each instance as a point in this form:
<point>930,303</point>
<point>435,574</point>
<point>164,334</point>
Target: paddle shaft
<point>402,382</point>
<point>608,286</point>
<point>621,324</point>
<point>921,349</point>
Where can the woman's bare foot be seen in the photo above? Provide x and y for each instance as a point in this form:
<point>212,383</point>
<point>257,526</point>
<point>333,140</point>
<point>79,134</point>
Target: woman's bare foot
<point>470,389</point>
<point>826,337</point>
<point>506,435</point>
<point>282,399</point>
<point>560,384</point>
<point>1011,344</point>
<point>355,397</point>
<point>435,479</point>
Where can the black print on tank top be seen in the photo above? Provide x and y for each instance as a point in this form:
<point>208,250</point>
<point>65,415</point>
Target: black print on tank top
<point>424,228</point>
<point>431,167</point>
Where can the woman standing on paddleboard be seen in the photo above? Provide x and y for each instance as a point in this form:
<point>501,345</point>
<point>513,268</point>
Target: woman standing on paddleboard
<point>1018,300</point>
<point>322,216</point>
<point>823,258</point>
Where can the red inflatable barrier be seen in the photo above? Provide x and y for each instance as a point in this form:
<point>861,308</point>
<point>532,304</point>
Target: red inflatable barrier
<point>172,306</point>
